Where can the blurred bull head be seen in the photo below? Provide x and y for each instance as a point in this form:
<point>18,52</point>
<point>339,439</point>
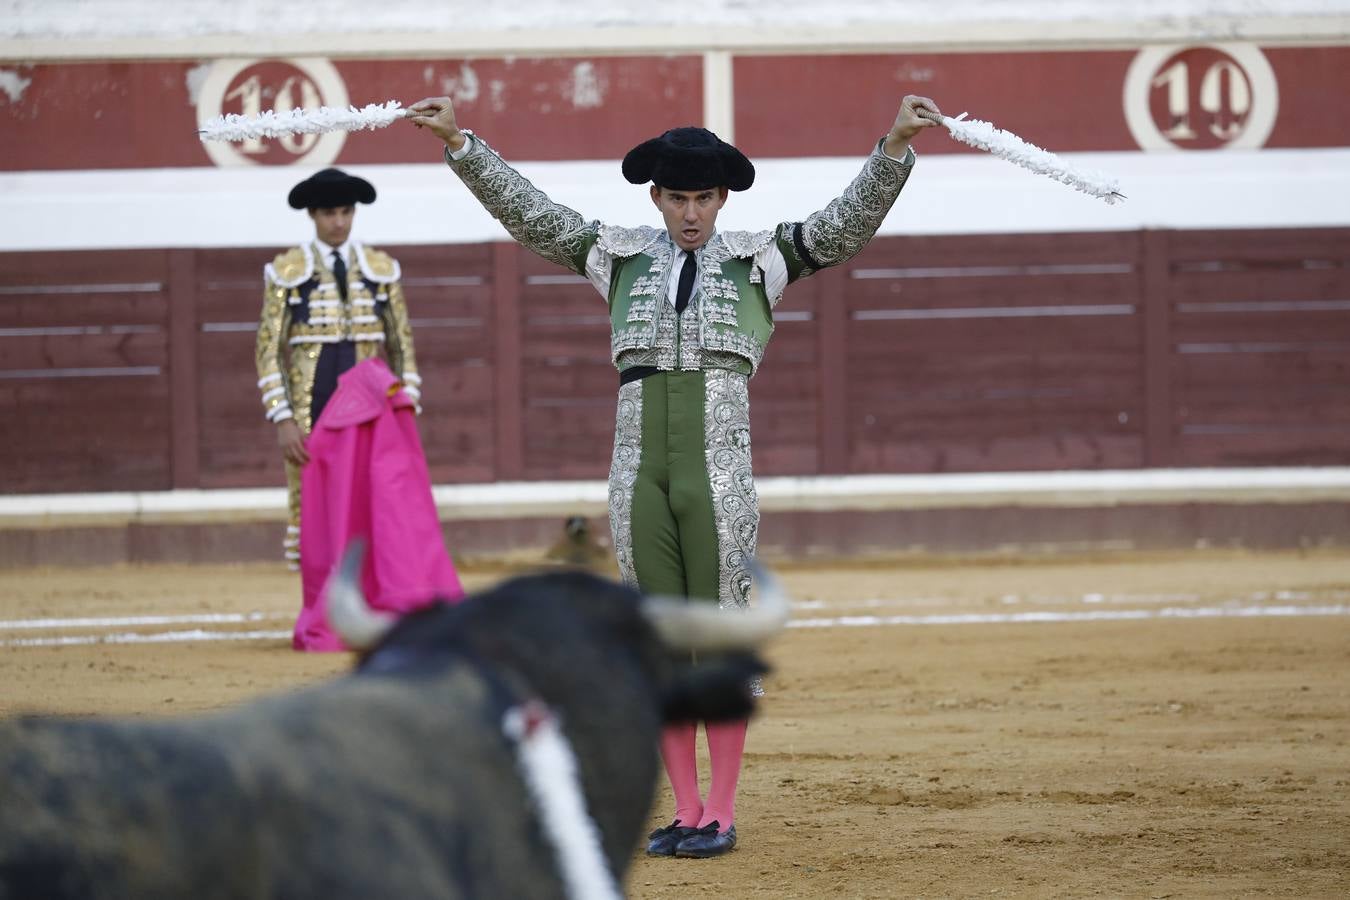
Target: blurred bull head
<point>660,630</point>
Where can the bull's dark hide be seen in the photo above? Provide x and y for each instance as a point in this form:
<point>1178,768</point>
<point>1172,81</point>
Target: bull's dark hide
<point>394,781</point>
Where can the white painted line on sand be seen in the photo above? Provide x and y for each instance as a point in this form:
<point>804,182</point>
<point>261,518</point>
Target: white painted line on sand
<point>1122,615</point>
<point>133,621</point>
<point>165,637</point>
<point>1103,615</point>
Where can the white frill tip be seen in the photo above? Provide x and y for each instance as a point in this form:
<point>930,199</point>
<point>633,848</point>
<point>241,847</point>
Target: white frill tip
<point>1006,145</point>
<point>271,124</point>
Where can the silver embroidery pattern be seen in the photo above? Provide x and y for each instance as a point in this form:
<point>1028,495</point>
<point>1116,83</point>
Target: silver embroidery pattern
<point>624,242</point>
<point>690,355</point>
<point>734,342</point>
<point>726,413</point>
<point>721,288</point>
<point>642,311</point>
<point>726,430</point>
<point>647,286</point>
<point>720,313</point>
<point>738,244</point>
<point>623,471</point>
<point>556,232</point>
<point>836,233</point>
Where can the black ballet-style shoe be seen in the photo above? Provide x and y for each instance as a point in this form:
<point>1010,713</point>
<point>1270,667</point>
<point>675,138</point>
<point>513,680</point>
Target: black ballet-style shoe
<point>662,841</point>
<point>705,842</point>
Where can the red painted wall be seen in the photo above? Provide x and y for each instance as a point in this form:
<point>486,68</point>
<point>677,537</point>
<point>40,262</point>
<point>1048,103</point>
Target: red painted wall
<point>142,114</point>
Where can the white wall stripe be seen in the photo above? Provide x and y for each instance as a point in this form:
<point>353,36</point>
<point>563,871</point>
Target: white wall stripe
<point>948,194</point>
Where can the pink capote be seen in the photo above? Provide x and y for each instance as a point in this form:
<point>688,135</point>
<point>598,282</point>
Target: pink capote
<point>367,477</point>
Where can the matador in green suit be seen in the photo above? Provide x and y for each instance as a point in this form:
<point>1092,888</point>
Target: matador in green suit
<point>691,312</point>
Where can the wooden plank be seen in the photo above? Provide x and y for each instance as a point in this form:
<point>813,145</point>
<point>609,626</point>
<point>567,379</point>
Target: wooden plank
<point>999,454</point>
<point>1291,447</point>
<point>1290,284</point>
<point>184,388</point>
<point>892,338</point>
<point>1250,246</point>
<point>113,309</point>
<point>985,287</point>
<point>1218,406</point>
<point>905,417</point>
<point>591,382</point>
<point>1155,326</point>
<point>60,268</point>
<point>1056,364</point>
<point>85,434</point>
<point>84,351</point>
<point>507,361</point>
<point>963,251</point>
<point>832,392</point>
<point>1263,330</point>
<point>1235,371</point>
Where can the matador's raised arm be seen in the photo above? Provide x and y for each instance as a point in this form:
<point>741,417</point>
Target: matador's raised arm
<point>557,233</point>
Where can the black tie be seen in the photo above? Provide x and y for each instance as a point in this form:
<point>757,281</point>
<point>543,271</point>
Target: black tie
<point>686,285</point>
<point>340,274</point>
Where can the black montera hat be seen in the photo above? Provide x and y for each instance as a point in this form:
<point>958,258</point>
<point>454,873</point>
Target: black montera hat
<point>331,187</point>
<point>688,159</point>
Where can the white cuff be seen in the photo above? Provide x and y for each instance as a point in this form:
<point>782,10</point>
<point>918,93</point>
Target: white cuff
<point>908,159</point>
<point>457,155</point>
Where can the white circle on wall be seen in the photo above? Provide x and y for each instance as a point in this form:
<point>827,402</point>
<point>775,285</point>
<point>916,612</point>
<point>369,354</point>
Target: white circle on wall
<point>1139,84</point>
<point>332,91</point>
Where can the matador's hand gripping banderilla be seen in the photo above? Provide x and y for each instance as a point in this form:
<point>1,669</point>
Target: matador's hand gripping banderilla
<point>978,134</point>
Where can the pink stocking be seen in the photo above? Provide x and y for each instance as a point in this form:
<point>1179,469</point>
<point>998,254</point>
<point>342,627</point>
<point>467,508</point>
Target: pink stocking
<point>677,750</point>
<point>726,745</point>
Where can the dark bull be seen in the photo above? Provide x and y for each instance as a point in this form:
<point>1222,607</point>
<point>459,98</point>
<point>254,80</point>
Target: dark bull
<point>394,781</point>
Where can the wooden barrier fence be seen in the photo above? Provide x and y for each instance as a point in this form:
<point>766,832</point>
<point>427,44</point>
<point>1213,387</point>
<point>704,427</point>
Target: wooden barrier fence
<point>133,370</point>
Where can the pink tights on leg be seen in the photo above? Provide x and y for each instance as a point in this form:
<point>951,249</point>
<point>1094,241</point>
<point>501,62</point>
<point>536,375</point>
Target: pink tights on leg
<point>726,746</point>
<point>677,751</point>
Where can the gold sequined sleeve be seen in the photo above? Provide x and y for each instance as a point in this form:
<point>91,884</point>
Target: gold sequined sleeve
<point>398,342</point>
<point>270,350</point>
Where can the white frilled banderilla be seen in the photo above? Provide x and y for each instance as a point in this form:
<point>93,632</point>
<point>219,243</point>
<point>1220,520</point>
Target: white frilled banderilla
<point>458,760</point>
<point>271,124</point>
<point>979,134</point>
<point>1005,145</point>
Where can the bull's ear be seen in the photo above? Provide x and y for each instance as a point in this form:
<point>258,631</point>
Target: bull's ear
<point>713,691</point>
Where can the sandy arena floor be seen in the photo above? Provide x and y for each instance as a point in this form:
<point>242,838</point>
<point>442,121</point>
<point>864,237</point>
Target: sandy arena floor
<point>1152,727</point>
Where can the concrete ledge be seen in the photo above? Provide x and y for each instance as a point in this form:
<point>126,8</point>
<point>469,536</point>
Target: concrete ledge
<point>854,517</point>
<point>531,499</point>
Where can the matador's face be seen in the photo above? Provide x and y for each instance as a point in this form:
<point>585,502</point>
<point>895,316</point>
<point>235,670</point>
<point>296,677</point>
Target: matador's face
<point>333,224</point>
<point>690,215</point>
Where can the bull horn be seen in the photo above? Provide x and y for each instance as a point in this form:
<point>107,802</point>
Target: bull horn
<point>359,626</point>
<point>702,626</point>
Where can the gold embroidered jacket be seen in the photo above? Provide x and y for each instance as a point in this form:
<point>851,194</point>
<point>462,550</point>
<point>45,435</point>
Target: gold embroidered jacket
<point>303,310</point>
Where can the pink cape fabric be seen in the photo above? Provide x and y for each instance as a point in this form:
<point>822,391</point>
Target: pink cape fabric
<point>367,477</point>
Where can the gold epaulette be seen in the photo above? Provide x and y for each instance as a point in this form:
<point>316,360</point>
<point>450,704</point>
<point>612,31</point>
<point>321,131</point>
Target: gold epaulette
<point>291,268</point>
<point>377,265</point>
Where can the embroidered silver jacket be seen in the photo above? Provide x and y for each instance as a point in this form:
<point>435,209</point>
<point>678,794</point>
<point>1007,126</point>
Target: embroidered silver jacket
<point>560,234</point>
